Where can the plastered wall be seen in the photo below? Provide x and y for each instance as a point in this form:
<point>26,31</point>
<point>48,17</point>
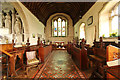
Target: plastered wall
<point>30,23</point>
<point>90,30</point>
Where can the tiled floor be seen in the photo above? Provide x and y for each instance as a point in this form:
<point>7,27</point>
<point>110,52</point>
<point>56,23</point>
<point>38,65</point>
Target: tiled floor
<point>60,65</point>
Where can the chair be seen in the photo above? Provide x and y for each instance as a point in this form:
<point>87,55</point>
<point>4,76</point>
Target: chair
<point>31,60</point>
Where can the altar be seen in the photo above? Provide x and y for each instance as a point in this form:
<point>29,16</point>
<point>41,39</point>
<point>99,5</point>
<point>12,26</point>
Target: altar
<point>60,45</point>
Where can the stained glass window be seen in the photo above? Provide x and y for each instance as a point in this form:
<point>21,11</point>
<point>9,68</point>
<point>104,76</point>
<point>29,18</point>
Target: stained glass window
<point>55,28</point>
<point>63,28</point>
<point>59,27</point>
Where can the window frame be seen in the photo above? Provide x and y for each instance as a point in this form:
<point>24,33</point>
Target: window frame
<point>111,18</point>
<point>108,12</point>
<point>66,25</point>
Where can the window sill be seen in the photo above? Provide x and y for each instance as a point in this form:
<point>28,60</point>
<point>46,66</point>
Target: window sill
<point>110,37</point>
<point>59,36</point>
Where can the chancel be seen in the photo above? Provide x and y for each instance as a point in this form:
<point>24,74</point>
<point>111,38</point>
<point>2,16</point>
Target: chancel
<point>60,40</point>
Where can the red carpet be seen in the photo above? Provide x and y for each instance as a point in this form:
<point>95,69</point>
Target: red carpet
<point>59,65</point>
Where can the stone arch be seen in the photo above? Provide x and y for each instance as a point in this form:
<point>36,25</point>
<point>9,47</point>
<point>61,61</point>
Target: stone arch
<point>22,16</point>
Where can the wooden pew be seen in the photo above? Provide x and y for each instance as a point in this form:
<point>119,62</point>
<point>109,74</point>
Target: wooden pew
<point>33,47</point>
<point>79,55</point>
<point>105,43</point>
<point>76,56</point>
<point>69,47</point>
<point>14,52</point>
<point>9,51</point>
<point>44,52</point>
<point>3,49</point>
<point>98,60</point>
<point>112,71</point>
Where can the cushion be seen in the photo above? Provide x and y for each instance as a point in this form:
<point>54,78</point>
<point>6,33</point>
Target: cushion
<point>31,55</point>
<point>113,63</point>
<point>33,61</point>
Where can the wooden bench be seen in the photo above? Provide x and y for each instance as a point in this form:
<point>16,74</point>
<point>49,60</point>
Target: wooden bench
<point>44,52</point>
<point>69,47</point>
<point>98,60</point>
<point>113,71</point>
<point>12,54</point>
<point>80,57</point>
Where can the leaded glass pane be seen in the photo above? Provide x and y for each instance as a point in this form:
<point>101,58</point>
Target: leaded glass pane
<point>63,28</point>
<point>59,27</point>
<point>115,25</point>
<point>55,28</point>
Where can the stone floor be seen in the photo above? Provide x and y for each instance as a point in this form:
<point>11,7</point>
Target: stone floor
<point>58,65</point>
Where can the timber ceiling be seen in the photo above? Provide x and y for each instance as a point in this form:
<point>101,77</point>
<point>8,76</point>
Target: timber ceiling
<point>43,10</point>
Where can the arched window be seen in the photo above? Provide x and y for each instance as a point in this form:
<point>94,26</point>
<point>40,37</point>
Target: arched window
<point>59,27</point>
<point>82,31</point>
<point>108,20</point>
<point>114,21</point>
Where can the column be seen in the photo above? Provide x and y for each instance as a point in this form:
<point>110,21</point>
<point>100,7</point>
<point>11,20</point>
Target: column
<point>13,23</point>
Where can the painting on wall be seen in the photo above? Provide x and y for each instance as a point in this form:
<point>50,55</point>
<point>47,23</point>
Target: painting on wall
<point>90,20</point>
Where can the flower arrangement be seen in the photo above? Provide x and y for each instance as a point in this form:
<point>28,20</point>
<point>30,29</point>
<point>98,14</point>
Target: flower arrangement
<point>114,34</point>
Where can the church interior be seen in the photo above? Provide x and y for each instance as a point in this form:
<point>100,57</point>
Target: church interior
<point>60,40</point>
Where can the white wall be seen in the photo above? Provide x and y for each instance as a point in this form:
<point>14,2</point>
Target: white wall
<point>90,30</point>
<point>34,26</point>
